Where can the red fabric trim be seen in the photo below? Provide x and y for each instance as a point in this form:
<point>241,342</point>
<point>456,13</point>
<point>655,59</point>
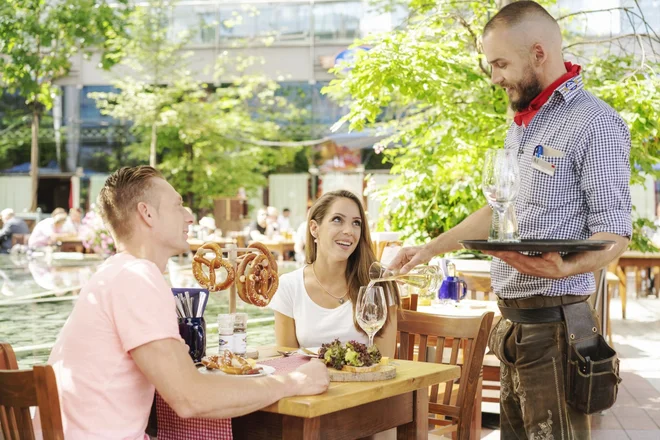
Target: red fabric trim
<point>526,116</point>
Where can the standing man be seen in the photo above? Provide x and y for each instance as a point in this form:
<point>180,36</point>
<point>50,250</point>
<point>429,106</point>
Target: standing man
<point>10,225</point>
<point>284,220</point>
<point>577,189</point>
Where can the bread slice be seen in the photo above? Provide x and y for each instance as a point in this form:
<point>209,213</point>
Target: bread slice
<point>352,369</point>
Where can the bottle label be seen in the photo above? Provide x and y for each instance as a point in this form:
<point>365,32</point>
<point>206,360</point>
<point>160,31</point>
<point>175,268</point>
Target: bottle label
<point>240,343</point>
<point>225,342</point>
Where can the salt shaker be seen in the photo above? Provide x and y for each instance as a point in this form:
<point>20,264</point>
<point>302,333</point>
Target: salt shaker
<point>240,334</point>
<point>225,332</point>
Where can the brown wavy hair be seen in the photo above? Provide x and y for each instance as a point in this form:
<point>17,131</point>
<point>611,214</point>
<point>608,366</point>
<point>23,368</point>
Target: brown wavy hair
<point>357,268</point>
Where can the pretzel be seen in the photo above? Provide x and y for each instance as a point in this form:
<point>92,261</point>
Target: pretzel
<point>254,281</point>
<point>257,277</point>
<point>209,282</point>
<point>240,285</point>
<point>229,363</point>
<point>272,262</point>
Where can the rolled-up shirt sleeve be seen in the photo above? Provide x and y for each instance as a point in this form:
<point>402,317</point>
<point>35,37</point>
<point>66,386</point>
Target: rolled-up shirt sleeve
<point>605,175</point>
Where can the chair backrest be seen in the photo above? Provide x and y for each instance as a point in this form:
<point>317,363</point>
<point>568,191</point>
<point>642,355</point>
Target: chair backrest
<point>7,357</point>
<point>410,302</point>
<point>466,334</point>
<point>477,282</point>
<point>19,239</point>
<point>22,389</point>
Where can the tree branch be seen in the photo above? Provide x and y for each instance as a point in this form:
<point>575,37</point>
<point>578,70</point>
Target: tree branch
<point>609,40</point>
<point>572,14</point>
<point>475,39</point>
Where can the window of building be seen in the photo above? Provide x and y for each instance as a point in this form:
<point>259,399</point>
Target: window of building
<point>90,115</point>
<point>337,21</point>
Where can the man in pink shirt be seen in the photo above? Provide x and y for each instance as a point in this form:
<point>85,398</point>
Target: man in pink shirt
<point>122,342</point>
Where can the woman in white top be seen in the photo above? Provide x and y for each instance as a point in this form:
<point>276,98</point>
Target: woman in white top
<point>315,304</point>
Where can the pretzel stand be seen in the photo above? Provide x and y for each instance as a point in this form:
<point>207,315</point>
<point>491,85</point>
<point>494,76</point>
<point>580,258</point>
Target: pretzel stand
<point>259,281</point>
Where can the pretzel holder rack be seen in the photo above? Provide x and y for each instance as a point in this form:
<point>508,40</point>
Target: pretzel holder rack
<point>232,252</point>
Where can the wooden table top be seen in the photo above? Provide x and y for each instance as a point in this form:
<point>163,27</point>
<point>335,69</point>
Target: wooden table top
<point>410,376</point>
<point>637,255</point>
<point>466,307</point>
<point>70,239</point>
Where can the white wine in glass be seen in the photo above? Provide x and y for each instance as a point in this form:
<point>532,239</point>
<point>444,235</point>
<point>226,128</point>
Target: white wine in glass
<point>422,277</point>
<point>371,310</point>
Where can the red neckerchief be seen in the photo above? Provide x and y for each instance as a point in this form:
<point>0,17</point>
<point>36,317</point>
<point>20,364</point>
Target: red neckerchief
<point>526,116</point>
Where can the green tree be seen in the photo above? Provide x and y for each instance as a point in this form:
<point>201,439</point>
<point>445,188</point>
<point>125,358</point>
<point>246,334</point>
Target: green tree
<point>38,39</point>
<point>156,59</point>
<point>428,83</point>
<point>207,138</point>
<point>210,136</point>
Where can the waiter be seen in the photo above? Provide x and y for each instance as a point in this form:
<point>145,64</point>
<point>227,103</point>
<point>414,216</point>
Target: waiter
<point>577,187</point>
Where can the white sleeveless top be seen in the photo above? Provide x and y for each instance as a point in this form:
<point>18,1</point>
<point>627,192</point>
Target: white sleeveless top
<point>315,325</point>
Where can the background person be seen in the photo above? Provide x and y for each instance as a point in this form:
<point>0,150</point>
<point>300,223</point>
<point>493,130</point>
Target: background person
<point>10,225</point>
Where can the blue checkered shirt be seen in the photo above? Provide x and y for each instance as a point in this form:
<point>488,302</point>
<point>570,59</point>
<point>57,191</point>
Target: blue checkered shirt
<point>589,192</point>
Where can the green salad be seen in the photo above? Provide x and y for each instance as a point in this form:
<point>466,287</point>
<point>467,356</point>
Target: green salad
<point>354,353</point>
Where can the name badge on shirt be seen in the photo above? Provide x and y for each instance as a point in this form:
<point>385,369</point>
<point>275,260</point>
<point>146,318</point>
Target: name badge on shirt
<point>551,152</point>
<point>543,166</point>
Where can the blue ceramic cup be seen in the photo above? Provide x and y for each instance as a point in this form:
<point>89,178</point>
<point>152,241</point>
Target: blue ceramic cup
<point>452,290</point>
<point>193,332</point>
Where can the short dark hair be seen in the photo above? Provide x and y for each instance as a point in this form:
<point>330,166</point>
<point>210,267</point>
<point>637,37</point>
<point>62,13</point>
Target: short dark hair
<point>516,12</point>
<point>286,210</point>
<point>121,194</point>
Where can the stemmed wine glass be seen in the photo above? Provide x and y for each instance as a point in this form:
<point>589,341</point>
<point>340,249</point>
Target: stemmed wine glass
<point>500,185</point>
<point>371,310</point>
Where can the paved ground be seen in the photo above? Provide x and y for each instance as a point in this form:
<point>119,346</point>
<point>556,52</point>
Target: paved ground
<point>636,414</point>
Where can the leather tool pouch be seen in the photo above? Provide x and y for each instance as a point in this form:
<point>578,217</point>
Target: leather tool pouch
<point>592,375</point>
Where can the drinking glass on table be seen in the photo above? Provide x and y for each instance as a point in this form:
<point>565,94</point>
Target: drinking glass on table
<point>500,185</point>
<point>371,310</point>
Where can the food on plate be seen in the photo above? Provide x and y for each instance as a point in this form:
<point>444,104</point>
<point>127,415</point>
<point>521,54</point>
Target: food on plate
<point>230,363</point>
<point>210,282</point>
<point>353,356</point>
<point>258,278</point>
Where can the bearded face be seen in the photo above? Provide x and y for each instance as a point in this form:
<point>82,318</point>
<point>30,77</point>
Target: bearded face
<point>521,93</point>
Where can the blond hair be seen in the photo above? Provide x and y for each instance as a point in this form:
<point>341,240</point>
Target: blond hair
<point>119,197</point>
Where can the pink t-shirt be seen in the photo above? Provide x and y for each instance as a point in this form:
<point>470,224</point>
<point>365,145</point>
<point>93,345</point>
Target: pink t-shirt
<point>103,393</point>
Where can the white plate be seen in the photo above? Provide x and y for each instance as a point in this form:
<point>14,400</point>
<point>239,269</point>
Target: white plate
<point>267,370</point>
<point>314,349</point>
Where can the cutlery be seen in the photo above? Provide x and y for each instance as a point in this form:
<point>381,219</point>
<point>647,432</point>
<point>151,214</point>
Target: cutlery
<point>179,307</point>
<point>310,352</point>
<point>189,302</point>
<point>200,305</point>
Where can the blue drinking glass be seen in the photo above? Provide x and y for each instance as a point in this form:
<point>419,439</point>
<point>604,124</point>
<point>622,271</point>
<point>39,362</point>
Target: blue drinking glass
<point>193,332</point>
<point>452,290</point>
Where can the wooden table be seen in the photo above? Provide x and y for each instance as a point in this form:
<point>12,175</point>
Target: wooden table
<point>636,260</point>
<point>71,244</point>
<point>281,247</point>
<point>352,410</point>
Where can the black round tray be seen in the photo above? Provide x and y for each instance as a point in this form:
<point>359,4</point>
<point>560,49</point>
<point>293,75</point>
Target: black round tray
<point>539,245</point>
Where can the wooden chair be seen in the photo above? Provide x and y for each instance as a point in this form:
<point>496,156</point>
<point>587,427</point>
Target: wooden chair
<point>477,283</point>
<point>7,357</point>
<point>457,404</point>
<point>21,389</point>
<point>19,239</point>
<point>410,302</point>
